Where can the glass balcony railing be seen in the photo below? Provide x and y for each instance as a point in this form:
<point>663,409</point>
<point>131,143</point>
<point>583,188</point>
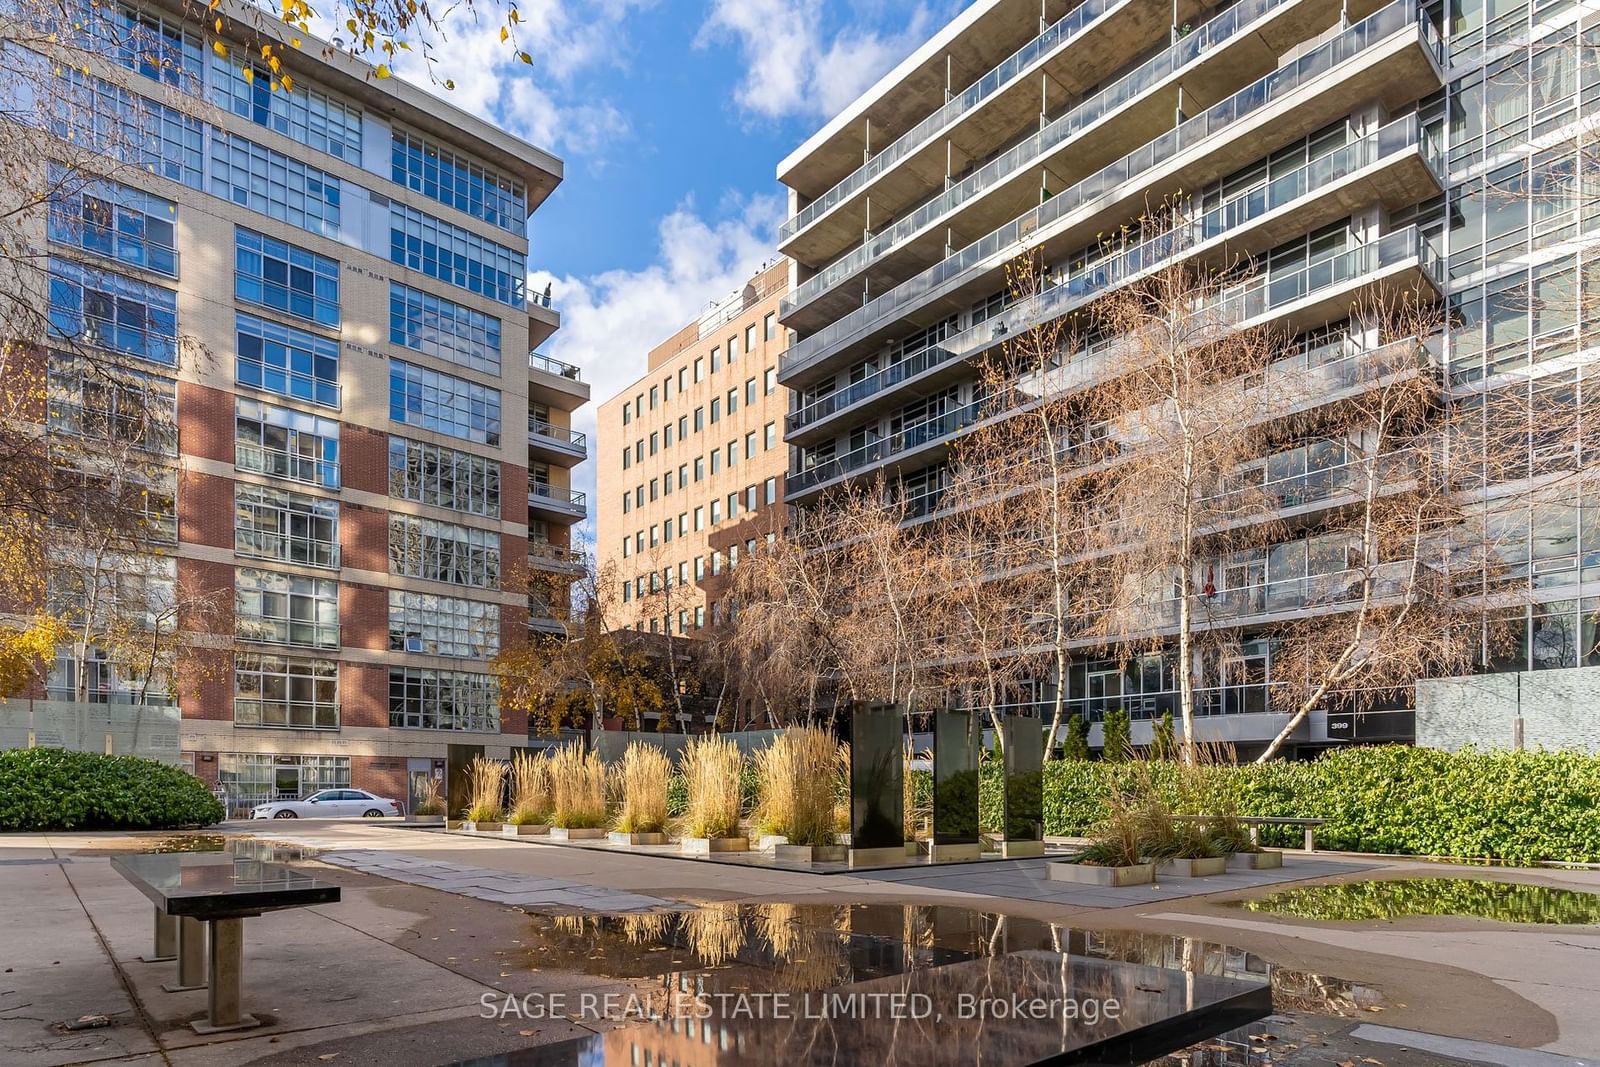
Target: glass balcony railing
<point>1119,177</point>
<point>130,248</point>
<point>1095,279</point>
<point>1001,76</point>
<point>540,361</point>
<point>550,496</point>
<point>545,554</point>
<point>951,422</point>
<point>260,459</point>
<point>571,440</point>
<point>1128,87</point>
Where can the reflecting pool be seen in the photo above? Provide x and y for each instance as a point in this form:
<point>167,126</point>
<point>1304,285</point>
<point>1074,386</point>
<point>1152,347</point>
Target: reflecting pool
<point>1509,902</point>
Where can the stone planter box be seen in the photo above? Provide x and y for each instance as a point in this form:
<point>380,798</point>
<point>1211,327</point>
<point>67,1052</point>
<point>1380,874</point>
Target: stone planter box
<point>526,829</point>
<point>1265,860</point>
<point>1192,868</point>
<point>768,842</point>
<point>810,853</point>
<point>702,846</point>
<point>426,820</point>
<point>453,824</point>
<point>577,833</point>
<point>481,827</point>
<point>617,837</point>
<point>1088,874</point>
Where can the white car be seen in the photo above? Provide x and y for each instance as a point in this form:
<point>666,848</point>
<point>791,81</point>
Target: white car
<point>329,804</point>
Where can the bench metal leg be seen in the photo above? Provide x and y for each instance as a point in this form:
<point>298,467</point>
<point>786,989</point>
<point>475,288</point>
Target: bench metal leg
<point>165,943</point>
<point>191,957</point>
<point>1311,842</point>
<point>225,992</point>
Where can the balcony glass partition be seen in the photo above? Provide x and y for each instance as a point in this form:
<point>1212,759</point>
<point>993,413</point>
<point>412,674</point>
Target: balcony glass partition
<point>1119,177</point>
<point>1397,138</point>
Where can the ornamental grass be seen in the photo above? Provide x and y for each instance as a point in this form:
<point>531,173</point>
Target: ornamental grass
<point>798,775</point>
<point>530,789</point>
<point>486,781</point>
<point>578,789</point>
<point>711,768</point>
<point>641,778</point>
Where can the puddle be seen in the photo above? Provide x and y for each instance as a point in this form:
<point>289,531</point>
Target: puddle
<point>185,843</point>
<point>1508,902</point>
<point>780,947</point>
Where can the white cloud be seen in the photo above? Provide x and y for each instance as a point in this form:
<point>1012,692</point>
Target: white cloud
<point>611,320</point>
<point>795,67</point>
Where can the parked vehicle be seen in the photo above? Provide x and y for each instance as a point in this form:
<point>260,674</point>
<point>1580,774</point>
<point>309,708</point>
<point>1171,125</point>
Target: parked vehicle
<point>329,804</point>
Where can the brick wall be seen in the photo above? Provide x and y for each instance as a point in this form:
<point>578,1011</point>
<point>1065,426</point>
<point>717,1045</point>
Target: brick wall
<point>364,458</point>
<point>363,616</point>
<point>205,422</point>
<point>205,683</point>
<point>205,509</point>
<point>514,493</point>
<point>364,537</point>
<point>363,694</point>
<point>383,775</point>
<point>207,592</point>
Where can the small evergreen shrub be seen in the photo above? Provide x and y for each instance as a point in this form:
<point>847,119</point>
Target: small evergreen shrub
<point>52,789</point>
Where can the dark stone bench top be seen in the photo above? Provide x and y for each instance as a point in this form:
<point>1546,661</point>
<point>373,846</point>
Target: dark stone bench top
<point>198,886</point>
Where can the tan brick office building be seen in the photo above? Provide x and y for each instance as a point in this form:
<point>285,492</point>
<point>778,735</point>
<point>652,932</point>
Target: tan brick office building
<point>691,461</point>
<point>370,459</point>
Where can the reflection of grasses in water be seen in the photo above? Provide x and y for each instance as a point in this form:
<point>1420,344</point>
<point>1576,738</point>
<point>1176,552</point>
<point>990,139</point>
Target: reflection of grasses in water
<point>1510,902</point>
<point>645,929</point>
<point>714,933</point>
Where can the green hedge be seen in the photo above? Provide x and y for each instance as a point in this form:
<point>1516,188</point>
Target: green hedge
<point>1520,807</point>
<point>51,789</point>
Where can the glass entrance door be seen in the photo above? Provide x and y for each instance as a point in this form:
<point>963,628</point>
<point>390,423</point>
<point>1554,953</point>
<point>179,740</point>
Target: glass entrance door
<point>286,783</point>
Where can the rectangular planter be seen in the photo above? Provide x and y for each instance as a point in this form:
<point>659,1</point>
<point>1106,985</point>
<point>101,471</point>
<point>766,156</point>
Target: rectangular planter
<point>426,820</point>
<point>1023,849</point>
<point>1192,868</point>
<point>577,833</point>
<point>1088,874</point>
<point>617,837</point>
<point>481,827</point>
<point>768,842</point>
<point>701,846</point>
<point>1265,860</point>
<point>810,853</point>
<point>454,824</point>
<point>526,829</point>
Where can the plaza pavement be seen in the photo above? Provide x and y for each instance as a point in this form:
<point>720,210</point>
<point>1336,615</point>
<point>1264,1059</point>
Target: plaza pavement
<point>429,923</point>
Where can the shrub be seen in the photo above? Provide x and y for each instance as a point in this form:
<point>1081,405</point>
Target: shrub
<point>530,789</point>
<point>578,789</point>
<point>52,789</point>
<point>642,777</point>
<point>1076,746</point>
<point>712,768</point>
<point>1519,807</point>
<point>1115,741</point>
<point>798,773</point>
<point>486,781</point>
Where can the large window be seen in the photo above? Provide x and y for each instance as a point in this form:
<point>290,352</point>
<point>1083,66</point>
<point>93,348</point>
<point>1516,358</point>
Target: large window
<point>286,609</point>
<point>441,175</point>
<point>443,477</point>
<point>443,551</point>
<point>451,254</point>
<point>435,401</point>
<point>113,404</point>
<point>112,220</point>
<point>287,361</point>
<point>441,328</point>
<point>288,527</point>
<point>422,698</point>
<point>442,625</point>
<point>301,113</point>
<point>285,443</point>
<point>99,309</point>
<point>252,777</point>
<point>274,184</point>
<point>152,44</point>
<point>287,692</point>
<point>94,114</point>
<point>285,277</point>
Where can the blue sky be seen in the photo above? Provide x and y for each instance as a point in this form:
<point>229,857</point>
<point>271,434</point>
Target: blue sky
<point>671,117</point>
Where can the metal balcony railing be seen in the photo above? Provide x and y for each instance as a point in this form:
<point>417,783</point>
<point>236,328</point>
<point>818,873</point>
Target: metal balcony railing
<point>561,435</point>
<point>1132,85</point>
<point>541,362</point>
<point>569,500</point>
<point>1005,74</point>
<point>1253,298</point>
<point>1085,284</point>
<point>545,554</point>
<point>131,249</point>
<point>1118,177</point>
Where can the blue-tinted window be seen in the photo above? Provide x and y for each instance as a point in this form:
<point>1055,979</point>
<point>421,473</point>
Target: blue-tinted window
<point>460,257</point>
<point>94,114</point>
<point>99,309</point>
<point>441,175</point>
<point>273,184</point>
<point>442,328</point>
<point>112,220</point>
<point>422,397</point>
<point>286,361</point>
<point>298,111</point>
<point>286,277</point>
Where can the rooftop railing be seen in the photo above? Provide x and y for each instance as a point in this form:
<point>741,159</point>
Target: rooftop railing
<point>1118,177</point>
<point>1100,277</point>
<point>541,362</point>
<point>1132,85</point>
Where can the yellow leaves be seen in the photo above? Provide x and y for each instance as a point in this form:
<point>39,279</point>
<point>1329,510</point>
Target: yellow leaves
<point>220,49</point>
<point>382,71</point>
<point>505,34</point>
<point>249,74</point>
<point>449,83</point>
<point>526,58</point>
<point>218,24</point>
<point>23,653</point>
<point>287,83</point>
